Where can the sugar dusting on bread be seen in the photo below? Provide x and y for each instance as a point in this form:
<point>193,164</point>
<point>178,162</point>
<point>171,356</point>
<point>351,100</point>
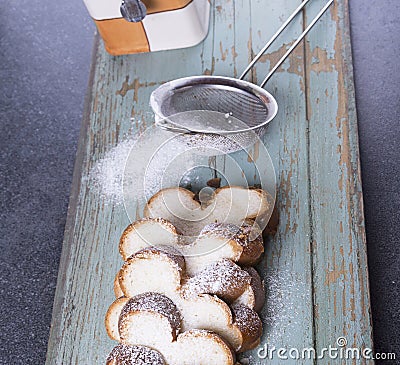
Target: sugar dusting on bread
<point>154,302</point>
<point>240,234</point>
<point>168,252</point>
<point>138,355</point>
<point>247,320</point>
<point>223,278</point>
<point>226,230</point>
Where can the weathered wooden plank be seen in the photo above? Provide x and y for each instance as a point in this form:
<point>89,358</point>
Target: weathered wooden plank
<point>315,207</point>
<point>287,315</point>
<point>339,252</point>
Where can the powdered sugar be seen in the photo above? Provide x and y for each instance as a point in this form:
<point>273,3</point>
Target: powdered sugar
<point>138,355</point>
<point>247,321</point>
<point>223,278</point>
<point>106,176</point>
<point>139,166</point>
<point>153,302</point>
<point>283,314</point>
<point>283,317</point>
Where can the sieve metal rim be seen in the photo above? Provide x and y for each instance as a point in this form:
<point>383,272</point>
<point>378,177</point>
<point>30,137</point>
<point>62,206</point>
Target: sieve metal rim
<point>162,92</point>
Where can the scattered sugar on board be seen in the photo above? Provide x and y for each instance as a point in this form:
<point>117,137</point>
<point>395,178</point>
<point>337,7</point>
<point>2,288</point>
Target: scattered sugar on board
<point>139,166</point>
<point>106,176</point>
<point>282,313</point>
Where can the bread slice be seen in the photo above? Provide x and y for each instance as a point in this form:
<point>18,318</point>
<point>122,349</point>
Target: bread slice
<point>112,317</point>
<point>223,278</point>
<point>230,205</point>
<point>229,282</point>
<point>141,273</point>
<point>242,244</point>
<point>250,325</point>
<point>117,289</point>
<point>145,233</point>
<point>152,320</point>
<point>254,295</point>
<point>163,314</point>
<point>134,355</point>
<point>152,269</point>
<point>215,241</point>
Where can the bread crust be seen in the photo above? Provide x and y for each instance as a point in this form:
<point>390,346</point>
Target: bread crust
<point>250,326</point>
<point>253,244</point>
<point>112,317</point>
<point>116,287</point>
<point>258,288</point>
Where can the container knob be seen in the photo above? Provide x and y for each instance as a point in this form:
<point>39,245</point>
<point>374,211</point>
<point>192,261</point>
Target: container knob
<point>133,10</point>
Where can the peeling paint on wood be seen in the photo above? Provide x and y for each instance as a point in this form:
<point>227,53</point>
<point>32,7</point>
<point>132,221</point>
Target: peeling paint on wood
<point>317,255</point>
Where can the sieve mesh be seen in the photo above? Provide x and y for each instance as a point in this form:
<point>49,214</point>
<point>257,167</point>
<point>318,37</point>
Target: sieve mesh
<point>213,111</point>
<point>243,109</point>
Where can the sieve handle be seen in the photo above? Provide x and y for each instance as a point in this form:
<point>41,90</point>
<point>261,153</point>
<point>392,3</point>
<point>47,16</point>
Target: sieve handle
<point>295,44</point>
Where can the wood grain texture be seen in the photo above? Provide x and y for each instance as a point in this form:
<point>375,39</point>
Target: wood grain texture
<point>315,267</point>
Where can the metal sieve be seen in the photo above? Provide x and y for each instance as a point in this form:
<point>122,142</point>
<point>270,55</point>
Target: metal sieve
<point>226,112</point>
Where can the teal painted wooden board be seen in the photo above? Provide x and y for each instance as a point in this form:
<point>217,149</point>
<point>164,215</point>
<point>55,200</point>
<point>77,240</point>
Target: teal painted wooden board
<point>315,266</point>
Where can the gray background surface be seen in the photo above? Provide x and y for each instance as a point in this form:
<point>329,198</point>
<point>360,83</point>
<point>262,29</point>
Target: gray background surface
<point>45,54</point>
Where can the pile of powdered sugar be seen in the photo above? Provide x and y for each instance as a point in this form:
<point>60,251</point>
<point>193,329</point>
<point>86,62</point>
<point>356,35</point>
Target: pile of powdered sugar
<point>139,166</point>
<point>107,174</point>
